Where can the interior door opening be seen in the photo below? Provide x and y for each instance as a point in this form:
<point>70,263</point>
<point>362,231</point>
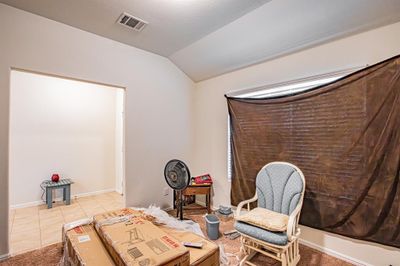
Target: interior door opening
<point>65,127</point>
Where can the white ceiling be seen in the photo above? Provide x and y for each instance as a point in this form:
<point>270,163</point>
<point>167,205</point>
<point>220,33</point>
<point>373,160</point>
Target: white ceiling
<point>173,24</point>
<point>206,38</point>
<point>281,27</point>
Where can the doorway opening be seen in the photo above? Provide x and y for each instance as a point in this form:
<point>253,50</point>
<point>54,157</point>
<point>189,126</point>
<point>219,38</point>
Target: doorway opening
<point>65,127</point>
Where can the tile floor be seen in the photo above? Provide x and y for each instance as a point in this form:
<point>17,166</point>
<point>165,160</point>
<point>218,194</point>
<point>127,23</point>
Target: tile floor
<point>36,227</point>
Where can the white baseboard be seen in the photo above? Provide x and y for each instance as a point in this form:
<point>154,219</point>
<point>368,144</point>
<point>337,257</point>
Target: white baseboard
<point>87,194</point>
<point>334,253</point>
<point>4,256</point>
<point>201,203</point>
<point>79,195</point>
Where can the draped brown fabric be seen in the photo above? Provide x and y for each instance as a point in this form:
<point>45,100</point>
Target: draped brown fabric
<point>344,136</point>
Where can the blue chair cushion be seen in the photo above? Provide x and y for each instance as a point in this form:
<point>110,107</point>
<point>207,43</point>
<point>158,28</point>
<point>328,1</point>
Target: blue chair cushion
<point>279,187</point>
<point>277,238</point>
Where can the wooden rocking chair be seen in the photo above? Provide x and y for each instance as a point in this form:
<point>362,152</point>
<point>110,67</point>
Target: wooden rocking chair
<point>280,188</point>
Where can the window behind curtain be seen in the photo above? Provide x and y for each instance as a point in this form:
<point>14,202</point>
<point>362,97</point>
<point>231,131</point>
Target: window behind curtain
<point>344,136</point>
<point>280,90</point>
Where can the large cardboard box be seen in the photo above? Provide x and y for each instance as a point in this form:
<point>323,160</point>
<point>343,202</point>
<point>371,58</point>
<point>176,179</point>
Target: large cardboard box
<point>83,247</point>
<point>131,239</point>
<point>208,255</point>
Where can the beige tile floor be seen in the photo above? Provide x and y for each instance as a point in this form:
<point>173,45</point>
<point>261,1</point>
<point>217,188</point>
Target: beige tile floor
<point>36,227</point>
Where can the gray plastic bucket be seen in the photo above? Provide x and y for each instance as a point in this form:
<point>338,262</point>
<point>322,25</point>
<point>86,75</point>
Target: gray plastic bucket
<point>212,223</point>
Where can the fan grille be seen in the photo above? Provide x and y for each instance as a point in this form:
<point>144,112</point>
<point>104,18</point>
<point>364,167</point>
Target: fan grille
<point>177,174</point>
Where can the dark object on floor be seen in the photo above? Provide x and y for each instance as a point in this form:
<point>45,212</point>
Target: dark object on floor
<point>177,175</point>
<point>224,210</point>
<point>234,236</point>
<point>227,233</point>
<point>188,199</point>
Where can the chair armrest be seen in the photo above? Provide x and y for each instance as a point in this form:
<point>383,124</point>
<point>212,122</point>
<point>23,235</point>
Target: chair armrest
<point>241,204</point>
<point>293,221</point>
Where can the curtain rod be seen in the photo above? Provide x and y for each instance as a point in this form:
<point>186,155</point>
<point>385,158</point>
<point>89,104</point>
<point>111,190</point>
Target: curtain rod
<point>294,81</point>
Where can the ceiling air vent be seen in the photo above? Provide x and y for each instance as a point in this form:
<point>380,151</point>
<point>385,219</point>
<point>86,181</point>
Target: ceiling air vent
<point>132,22</point>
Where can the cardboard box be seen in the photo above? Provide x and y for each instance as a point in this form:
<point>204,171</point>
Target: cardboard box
<point>132,240</point>
<point>208,255</point>
<point>83,246</point>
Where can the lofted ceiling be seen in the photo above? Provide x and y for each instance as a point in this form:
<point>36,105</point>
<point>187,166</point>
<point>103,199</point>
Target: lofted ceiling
<point>278,28</point>
<point>173,24</point>
<point>206,38</point>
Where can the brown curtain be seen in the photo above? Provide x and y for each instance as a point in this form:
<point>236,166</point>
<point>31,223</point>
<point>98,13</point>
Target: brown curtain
<point>344,136</point>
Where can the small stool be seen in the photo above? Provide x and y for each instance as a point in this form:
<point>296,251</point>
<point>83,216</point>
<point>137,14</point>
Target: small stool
<point>49,185</point>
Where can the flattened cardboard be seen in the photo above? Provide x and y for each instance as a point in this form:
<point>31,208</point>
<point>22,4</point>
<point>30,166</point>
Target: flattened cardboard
<point>115,213</point>
<point>208,255</point>
<point>85,248</point>
<point>136,241</point>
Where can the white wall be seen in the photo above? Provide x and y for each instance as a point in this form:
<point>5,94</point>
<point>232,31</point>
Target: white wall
<point>210,145</point>
<point>119,142</point>
<point>158,97</point>
<point>159,103</point>
<point>61,126</point>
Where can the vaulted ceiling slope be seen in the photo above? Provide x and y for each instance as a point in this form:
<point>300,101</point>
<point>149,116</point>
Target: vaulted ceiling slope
<point>173,24</point>
<point>206,38</point>
<point>278,28</point>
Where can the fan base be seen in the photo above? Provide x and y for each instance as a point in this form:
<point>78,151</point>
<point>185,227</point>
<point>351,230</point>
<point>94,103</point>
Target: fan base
<point>181,218</point>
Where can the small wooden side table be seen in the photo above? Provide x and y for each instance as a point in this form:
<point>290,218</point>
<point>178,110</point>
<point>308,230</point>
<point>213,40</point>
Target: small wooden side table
<point>49,185</point>
<point>193,189</point>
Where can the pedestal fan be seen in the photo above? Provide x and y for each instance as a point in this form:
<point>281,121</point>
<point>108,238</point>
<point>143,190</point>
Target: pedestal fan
<point>177,175</point>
